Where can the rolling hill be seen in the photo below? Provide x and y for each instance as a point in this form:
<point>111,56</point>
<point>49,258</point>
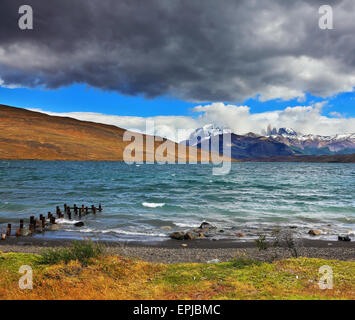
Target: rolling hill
<point>32,135</point>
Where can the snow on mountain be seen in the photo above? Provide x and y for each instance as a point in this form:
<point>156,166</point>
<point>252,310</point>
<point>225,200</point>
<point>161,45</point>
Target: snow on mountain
<point>290,133</point>
<point>334,143</point>
<point>309,144</point>
<point>205,133</point>
<point>285,132</point>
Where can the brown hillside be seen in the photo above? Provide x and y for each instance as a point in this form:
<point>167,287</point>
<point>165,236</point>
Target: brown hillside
<point>32,135</point>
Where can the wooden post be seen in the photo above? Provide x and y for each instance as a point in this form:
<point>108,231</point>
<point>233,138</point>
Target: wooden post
<point>8,231</point>
<point>65,207</point>
<point>21,224</point>
<point>69,213</point>
<point>33,222</point>
<point>43,219</point>
<point>75,209</point>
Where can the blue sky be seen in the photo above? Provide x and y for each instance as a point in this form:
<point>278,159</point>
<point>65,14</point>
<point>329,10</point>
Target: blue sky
<point>81,98</point>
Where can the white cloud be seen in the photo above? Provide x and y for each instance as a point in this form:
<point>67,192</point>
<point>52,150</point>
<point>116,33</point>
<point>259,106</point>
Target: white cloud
<point>305,119</point>
<point>165,126</point>
<point>323,77</point>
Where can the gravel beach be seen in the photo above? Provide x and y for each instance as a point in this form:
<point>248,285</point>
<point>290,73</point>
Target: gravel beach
<point>196,251</point>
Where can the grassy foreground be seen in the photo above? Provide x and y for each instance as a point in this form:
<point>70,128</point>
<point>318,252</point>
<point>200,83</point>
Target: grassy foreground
<point>115,277</point>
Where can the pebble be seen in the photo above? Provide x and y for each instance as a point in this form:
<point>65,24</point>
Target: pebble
<point>345,238</point>
<point>176,255</point>
<point>213,261</point>
<point>314,232</point>
<point>79,224</point>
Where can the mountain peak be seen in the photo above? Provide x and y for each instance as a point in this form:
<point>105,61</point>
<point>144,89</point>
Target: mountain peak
<point>287,131</point>
<point>280,132</point>
<point>207,131</point>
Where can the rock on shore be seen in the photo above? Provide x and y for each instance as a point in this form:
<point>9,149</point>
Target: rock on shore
<point>204,230</point>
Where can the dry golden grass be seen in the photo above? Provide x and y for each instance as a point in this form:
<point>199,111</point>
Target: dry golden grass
<point>36,136</point>
<point>114,277</point>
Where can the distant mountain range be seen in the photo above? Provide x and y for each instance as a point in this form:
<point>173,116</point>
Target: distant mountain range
<point>280,142</point>
<point>26,135</point>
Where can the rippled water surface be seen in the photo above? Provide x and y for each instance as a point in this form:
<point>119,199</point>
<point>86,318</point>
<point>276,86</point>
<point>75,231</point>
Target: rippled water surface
<point>141,201</point>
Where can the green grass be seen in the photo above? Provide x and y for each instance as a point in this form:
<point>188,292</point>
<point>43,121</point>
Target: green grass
<point>83,251</point>
<point>244,262</point>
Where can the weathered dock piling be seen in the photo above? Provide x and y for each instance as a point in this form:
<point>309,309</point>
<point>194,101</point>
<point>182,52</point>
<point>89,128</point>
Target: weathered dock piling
<point>32,224</point>
<point>69,213</point>
<point>43,219</point>
<point>49,223</point>
<point>58,212</point>
<point>8,230</point>
<point>20,229</point>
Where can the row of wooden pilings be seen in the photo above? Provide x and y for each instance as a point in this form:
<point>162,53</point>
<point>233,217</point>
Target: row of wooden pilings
<point>49,223</point>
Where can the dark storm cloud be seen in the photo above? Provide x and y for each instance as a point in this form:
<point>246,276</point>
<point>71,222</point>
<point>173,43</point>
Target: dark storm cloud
<point>199,50</point>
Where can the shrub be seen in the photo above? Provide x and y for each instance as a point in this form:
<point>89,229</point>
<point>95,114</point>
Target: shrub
<point>261,242</point>
<point>83,251</point>
<point>285,239</point>
<point>241,263</point>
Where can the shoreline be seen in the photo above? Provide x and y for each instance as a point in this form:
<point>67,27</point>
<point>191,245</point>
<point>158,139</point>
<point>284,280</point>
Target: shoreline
<point>337,158</point>
<point>199,251</point>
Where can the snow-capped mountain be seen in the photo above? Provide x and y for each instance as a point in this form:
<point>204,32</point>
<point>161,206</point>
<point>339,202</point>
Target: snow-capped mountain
<point>314,144</point>
<point>204,133</point>
<point>242,146</point>
<point>285,132</point>
<point>276,142</point>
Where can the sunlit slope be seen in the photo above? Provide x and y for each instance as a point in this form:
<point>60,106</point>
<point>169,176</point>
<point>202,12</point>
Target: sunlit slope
<point>32,135</point>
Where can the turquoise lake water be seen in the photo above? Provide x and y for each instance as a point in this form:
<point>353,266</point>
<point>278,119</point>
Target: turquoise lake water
<point>139,202</point>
